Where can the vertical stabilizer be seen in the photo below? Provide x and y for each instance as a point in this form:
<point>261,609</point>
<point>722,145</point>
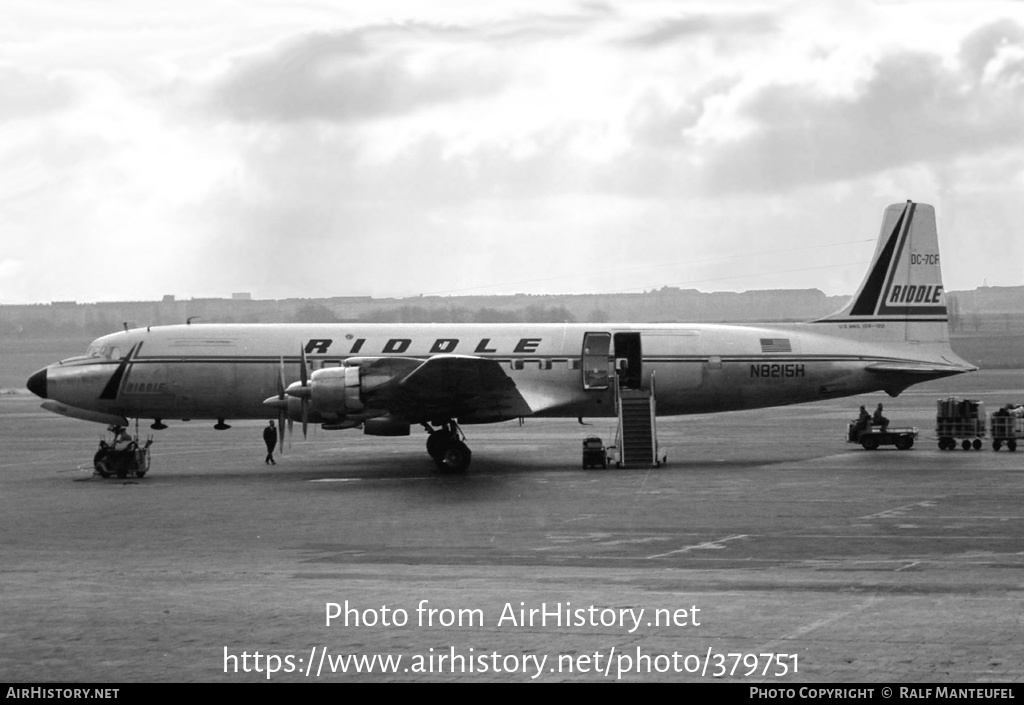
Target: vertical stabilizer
<point>904,283</point>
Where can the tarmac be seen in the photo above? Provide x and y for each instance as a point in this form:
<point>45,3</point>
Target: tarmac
<point>766,551</point>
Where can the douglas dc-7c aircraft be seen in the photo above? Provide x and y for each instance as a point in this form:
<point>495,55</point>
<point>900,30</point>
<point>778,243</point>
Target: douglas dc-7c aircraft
<point>387,378</point>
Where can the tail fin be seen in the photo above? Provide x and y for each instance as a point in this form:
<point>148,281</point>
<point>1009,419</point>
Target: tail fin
<point>903,286</point>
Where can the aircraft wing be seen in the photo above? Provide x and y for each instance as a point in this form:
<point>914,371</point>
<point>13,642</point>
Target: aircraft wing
<point>459,386</point>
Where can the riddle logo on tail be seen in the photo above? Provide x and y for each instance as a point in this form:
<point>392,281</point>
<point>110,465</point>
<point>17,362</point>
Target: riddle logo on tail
<point>905,280</point>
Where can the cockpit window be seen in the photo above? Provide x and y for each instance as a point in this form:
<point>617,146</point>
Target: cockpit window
<point>101,351</point>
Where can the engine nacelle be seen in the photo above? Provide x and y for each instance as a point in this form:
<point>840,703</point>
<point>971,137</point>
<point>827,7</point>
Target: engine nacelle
<point>378,372</point>
<point>336,390</point>
<point>339,392</point>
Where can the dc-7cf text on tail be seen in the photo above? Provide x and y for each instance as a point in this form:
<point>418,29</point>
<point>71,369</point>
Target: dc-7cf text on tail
<point>388,378</point>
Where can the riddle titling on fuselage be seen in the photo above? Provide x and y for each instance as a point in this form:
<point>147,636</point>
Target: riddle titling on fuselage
<point>387,378</point>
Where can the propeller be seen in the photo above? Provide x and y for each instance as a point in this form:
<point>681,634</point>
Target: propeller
<point>298,390</point>
<point>280,402</point>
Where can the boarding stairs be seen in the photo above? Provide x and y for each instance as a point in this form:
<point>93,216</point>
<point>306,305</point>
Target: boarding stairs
<point>637,437</point>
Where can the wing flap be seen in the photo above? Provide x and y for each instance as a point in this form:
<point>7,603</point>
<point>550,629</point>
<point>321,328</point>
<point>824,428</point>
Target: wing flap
<point>459,386</point>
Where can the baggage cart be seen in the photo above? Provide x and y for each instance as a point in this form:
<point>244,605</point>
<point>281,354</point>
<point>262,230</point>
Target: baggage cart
<point>1007,427</point>
<point>960,419</point>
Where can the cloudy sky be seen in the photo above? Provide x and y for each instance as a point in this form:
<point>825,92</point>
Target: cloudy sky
<point>396,148</point>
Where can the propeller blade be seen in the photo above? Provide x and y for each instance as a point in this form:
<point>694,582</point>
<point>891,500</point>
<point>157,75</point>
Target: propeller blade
<point>280,429</point>
<point>304,377</point>
<point>280,380</point>
<point>282,415</point>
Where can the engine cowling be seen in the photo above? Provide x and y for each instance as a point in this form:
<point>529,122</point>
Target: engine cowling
<point>336,390</point>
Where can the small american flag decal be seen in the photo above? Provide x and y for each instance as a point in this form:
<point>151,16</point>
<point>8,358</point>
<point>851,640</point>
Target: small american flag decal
<point>776,345</point>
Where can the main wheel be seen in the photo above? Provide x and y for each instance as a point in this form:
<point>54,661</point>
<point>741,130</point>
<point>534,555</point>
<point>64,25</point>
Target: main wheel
<point>455,458</point>
<point>435,444</point>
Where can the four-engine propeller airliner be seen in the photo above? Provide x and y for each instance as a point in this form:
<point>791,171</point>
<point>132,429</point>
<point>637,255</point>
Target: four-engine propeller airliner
<point>387,378</point>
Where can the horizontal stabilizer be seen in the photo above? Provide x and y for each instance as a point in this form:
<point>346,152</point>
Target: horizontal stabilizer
<point>918,368</point>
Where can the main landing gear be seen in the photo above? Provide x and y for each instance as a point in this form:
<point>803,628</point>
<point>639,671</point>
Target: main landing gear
<point>445,445</point>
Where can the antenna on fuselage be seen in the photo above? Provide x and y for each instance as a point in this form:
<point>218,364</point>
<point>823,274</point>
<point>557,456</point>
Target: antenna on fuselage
<point>188,321</point>
<point>125,324</point>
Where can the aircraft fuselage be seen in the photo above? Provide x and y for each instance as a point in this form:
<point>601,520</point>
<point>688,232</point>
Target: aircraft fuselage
<point>227,371</point>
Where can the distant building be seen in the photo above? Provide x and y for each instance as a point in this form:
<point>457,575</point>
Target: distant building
<point>242,296</point>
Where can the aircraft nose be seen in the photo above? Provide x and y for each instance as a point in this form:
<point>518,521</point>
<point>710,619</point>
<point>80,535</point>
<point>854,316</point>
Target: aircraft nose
<point>37,383</point>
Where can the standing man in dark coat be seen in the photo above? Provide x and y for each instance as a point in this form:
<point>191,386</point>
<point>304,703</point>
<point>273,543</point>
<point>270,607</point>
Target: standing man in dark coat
<point>270,438</point>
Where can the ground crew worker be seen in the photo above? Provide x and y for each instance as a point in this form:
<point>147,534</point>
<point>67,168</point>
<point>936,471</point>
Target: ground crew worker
<point>864,419</point>
<point>878,419</point>
<point>270,438</point>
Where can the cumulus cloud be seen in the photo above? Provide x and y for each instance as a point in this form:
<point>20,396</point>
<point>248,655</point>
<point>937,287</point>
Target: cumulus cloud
<point>668,31</point>
<point>25,94</point>
<point>986,43</point>
<point>350,153</point>
<point>355,75</point>
<point>914,107</point>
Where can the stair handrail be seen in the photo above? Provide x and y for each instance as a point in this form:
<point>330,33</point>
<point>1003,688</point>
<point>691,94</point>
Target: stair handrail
<point>654,423</point>
<point>618,426</point>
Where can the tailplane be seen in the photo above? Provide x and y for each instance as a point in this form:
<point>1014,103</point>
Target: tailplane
<point>903,287</point>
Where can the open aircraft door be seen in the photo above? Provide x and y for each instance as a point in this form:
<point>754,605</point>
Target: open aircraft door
<point>597,361</point>
<point>601,361</point>
<point>629,360</point>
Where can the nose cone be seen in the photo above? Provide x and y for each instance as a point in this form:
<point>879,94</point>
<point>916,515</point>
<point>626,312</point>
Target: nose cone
<point>37,383</point>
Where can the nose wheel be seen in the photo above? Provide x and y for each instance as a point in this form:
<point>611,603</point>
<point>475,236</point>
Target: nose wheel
<point>446,447</point>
